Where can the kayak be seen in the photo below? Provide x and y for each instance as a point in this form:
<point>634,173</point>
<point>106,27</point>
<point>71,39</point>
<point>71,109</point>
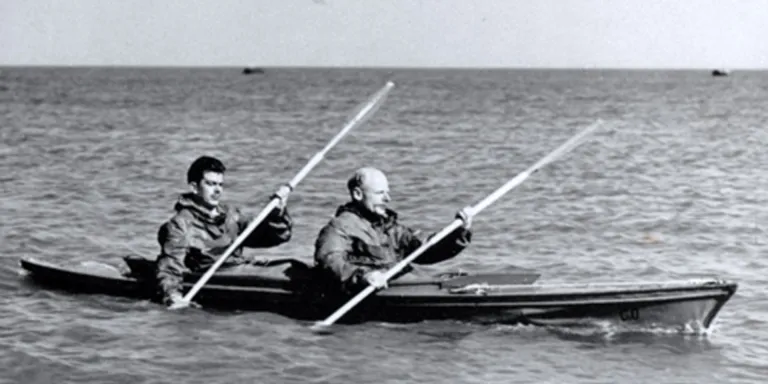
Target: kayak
<point>291,288</point>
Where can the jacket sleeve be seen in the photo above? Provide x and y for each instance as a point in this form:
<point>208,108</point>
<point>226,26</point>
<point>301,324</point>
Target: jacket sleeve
<point>276,229</point>
<point>332,248</point>
<point>447,248</point>
<point>170,263</point>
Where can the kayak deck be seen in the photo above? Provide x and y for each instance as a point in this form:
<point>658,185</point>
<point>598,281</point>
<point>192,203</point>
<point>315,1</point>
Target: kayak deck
<point>291,290</point>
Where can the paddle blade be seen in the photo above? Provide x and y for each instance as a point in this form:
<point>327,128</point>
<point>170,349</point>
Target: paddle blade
<point>321,328</point>
<point>363,111</point>
<point>181,304</point>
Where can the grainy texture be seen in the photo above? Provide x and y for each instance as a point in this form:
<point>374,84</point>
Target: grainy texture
<point>672,186</point>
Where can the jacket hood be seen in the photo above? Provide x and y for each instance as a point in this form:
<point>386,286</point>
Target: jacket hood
<point>200,210</point>
<point>356,209</point>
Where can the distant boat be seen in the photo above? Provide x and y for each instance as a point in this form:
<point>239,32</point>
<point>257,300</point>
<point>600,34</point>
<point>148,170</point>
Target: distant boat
<point>252,70</point>
<point>721,72</point>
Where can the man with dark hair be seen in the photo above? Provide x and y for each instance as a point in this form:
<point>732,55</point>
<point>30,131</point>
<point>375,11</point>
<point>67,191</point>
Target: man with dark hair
<point>364,239</point>
<point>203,228</point>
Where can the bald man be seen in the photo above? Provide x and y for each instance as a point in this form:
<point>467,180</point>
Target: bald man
<point>364,239</point>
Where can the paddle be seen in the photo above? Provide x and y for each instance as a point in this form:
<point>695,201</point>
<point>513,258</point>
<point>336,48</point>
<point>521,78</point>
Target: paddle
<point>472,211</point>
<point>368,109</point>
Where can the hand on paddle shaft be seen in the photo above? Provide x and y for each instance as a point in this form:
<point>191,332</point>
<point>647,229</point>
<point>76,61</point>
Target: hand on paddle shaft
<point>466,215</point>
<point>378,279</point>
<point>282,194</point>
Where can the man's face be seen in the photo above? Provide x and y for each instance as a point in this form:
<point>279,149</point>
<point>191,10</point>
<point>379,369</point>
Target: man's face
<point>374,194</point>
<point>210,188</point>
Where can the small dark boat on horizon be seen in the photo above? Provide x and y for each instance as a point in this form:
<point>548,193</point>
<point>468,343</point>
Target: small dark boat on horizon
<point>720,72</point>
<point>252,71</point>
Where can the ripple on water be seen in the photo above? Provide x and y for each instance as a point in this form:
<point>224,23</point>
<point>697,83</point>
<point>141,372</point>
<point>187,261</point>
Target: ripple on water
<point>669,186</point>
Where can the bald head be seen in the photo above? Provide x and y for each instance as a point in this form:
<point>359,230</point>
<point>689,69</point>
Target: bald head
<point>370,187</point>
<point>365,176</point>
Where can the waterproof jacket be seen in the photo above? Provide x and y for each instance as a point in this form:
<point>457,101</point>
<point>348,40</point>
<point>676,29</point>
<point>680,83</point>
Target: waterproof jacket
<point>355,242</point>
<point>193,239</point>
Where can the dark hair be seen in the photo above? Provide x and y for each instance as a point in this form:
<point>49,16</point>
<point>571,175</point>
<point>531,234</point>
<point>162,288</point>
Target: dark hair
<point>202,165</point>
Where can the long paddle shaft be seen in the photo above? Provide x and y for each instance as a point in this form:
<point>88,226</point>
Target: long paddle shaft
<point>472,211</point>
<point>368,109</point>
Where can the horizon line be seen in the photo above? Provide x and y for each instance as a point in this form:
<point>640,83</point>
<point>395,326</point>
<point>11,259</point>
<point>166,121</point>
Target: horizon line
<point>376,67</point>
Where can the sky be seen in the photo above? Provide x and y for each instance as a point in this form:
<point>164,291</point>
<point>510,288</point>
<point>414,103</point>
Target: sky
<point>387,33</point>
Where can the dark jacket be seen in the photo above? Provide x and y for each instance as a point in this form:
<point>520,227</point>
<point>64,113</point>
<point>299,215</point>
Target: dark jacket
<point>193,240</point>
<point>354,243</point>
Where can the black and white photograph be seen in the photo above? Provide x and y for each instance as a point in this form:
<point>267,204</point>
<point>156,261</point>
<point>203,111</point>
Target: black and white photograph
<point>383,191</point>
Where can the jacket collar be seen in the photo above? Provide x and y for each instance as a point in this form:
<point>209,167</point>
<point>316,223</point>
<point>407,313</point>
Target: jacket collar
<point>200,210</point>
<point>355,208</point>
